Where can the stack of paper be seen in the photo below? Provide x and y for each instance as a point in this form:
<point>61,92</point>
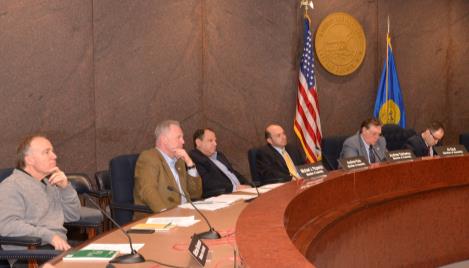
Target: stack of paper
<point>159,227</point>
<point>205,205</point>
<point>262,189</point>
<point>229,198</point>
<point>122,248</point>
<point>173,221</point>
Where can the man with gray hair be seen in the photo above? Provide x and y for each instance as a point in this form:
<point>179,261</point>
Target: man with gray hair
<point>37,198</point>
<point>168,164</point>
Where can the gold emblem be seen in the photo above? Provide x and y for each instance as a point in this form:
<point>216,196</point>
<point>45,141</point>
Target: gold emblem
<point>389,113</point>
<point>340,43</point>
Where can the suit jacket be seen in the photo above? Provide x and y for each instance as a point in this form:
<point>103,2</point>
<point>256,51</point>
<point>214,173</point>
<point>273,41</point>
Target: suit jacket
<point>417,145</point>
<point>214,181</point>
<point>270,164</point>
<point>152,177</point>
<point>354,146</point>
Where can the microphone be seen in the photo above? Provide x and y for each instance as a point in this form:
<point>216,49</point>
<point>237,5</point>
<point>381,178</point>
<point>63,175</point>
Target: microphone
<point>134,256</point>
<point>211,233</point>
<point>253,184</point>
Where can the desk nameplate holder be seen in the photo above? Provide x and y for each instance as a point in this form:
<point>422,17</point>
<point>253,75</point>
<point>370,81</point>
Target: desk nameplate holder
<point>199,250</point>
<point>312,171</point>
<point>450,150</point>
<point>353,163</point>
<point>400,155</point>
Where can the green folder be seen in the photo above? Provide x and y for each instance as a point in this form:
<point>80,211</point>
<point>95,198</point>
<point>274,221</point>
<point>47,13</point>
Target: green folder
<point>91,255</point>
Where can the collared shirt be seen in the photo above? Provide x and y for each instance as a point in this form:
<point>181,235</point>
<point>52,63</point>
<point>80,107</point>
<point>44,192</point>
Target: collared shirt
<point>234,180</point>
<point>430,148</point>
<point>367,146</point>
<point>171,161</point>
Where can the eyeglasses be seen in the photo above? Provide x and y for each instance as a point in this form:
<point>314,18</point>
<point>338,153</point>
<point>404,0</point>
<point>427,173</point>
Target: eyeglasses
<point>431,133</point>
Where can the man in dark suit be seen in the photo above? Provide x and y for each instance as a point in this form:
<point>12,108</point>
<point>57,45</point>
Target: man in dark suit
<point>168,164</point>
<point>368,142</point>
<point>277,159</point>
<point>422,144</point>
<point>218,176</point>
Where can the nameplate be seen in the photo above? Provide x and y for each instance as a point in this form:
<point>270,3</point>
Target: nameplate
<point>198,250</point>
<point>352,163</point>
<point>310,171</point>
<point>400,155</point>
<point>450,150</point>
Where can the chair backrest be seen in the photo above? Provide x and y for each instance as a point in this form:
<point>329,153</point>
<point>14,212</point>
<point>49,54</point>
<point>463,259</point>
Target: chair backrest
<point>331,148</point>
<point>5,172</point>
<point>252,153</point>
<point>464,140</point>
<point>122,169</point>
<point>396,136</point>
<point>103,180</point>
<point>80,182</point>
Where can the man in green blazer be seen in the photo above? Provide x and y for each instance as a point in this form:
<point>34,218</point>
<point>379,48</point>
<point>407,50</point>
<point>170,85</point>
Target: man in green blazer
<point>168,164</point>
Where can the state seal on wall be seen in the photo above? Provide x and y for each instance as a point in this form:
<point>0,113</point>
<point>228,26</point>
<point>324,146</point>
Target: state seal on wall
<point>340,43</point>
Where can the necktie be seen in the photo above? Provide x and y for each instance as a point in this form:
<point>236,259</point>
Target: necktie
<point>372,155</point>
<point>289,162</point>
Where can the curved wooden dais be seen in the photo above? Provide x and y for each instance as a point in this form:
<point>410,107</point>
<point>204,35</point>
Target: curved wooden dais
<point>412,214</point>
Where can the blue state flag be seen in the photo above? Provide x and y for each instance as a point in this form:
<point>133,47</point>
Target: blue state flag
<point>389,105</point>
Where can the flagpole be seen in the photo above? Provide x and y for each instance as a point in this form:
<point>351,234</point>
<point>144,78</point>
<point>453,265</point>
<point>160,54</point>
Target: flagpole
<point>387,74</point>
<point>306,4</point>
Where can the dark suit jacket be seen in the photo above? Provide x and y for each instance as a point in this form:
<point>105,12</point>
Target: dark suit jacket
<point>270,164</point>
<point>214,181</point>
<point>153,176</point>
<point>417,145</point>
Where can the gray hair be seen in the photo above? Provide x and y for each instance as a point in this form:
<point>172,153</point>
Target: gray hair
<point>164,126</point>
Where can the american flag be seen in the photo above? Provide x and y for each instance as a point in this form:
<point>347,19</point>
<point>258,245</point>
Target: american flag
<point>307,125</point>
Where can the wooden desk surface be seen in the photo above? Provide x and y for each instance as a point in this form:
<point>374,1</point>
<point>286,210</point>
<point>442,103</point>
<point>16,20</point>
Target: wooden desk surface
<point>410,214</point>
<point>171,247</point>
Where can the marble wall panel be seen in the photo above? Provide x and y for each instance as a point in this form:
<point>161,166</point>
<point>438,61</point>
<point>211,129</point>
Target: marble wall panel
<point>46,76</point>
<point>148,63</point>
<point>98,75</point>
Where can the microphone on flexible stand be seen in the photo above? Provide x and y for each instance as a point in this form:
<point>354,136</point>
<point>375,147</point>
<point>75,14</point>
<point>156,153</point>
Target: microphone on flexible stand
<point>253,184</point>
<point>134,256</point>
<point>211,233</point>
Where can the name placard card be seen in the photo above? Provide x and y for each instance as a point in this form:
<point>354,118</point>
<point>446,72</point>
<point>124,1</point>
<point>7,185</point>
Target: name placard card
<point>400,155</point>
<point>352,163</point>
<point>450,150</point>
<point>198,250</point>
<point>310,171</point>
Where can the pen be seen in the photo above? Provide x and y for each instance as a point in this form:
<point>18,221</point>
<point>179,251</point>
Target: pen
<point>167,225</point>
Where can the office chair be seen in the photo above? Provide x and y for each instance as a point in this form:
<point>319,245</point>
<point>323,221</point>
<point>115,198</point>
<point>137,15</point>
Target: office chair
<point>122,169</point>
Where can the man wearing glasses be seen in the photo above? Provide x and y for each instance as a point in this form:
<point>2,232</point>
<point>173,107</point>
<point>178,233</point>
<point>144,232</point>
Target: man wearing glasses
<point>422,144</point>
<point>367,142</point>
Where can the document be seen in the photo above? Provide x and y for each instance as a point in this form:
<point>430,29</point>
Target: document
<point>174,221</point>
<point>205,205</point>
<point>122,248</point>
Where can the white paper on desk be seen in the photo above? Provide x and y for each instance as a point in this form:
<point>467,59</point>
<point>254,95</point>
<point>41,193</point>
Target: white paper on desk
<point>229,198</point>
<point>253,190</point>
<point>272,186</point>
<point>178,221</point>
<point>206,206</point>
<point>122,248</point>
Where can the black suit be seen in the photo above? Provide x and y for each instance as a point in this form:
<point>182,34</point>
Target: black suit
<point>214,181</point>
<point>417,145</point>
<point>270,164</point>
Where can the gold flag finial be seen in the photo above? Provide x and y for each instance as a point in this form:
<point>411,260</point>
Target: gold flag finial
<point>306,4</point>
